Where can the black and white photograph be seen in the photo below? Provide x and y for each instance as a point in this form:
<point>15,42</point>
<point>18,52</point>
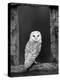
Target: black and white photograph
<point>33,39</point>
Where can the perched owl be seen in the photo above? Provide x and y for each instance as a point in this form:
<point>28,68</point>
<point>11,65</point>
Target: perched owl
<point>32,48</point>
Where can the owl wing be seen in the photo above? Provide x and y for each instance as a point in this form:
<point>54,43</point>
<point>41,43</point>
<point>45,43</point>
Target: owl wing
<point>29,49</point>
<point>30,54</point>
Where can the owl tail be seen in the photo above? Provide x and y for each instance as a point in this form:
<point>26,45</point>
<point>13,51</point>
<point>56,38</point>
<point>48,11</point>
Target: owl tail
<point>28,64</point>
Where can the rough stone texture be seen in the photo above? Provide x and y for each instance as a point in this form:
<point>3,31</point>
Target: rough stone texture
<point>44,66</point>
<point>19,68</point>
<point>39,67</point>
<point>54,34</point>
<point>14,36</point>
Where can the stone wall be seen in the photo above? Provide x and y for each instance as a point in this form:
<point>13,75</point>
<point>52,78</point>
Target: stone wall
<point>14,36</point>
<point>54,33</point>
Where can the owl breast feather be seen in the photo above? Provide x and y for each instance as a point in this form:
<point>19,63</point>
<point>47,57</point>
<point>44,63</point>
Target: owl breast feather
<point>31,52</point>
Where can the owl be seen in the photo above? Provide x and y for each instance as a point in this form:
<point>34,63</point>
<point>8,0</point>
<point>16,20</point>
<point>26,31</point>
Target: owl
<point>32,48</point>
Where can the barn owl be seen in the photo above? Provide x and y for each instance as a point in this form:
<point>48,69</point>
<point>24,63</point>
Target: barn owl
<point>32,48</point>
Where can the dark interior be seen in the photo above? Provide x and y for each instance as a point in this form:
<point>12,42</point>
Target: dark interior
<point>33,18</point>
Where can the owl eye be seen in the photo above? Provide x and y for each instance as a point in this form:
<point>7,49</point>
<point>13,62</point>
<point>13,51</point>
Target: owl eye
<point>33,35</point>
<point>37,35</point>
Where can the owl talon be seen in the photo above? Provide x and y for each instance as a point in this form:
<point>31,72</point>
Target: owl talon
<point>35,62</point>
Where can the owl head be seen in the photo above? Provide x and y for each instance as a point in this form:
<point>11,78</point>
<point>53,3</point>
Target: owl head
<point>36,36</point>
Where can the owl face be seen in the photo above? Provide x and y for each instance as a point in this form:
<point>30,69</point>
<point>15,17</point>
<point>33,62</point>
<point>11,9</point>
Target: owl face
<point>35,36</point>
